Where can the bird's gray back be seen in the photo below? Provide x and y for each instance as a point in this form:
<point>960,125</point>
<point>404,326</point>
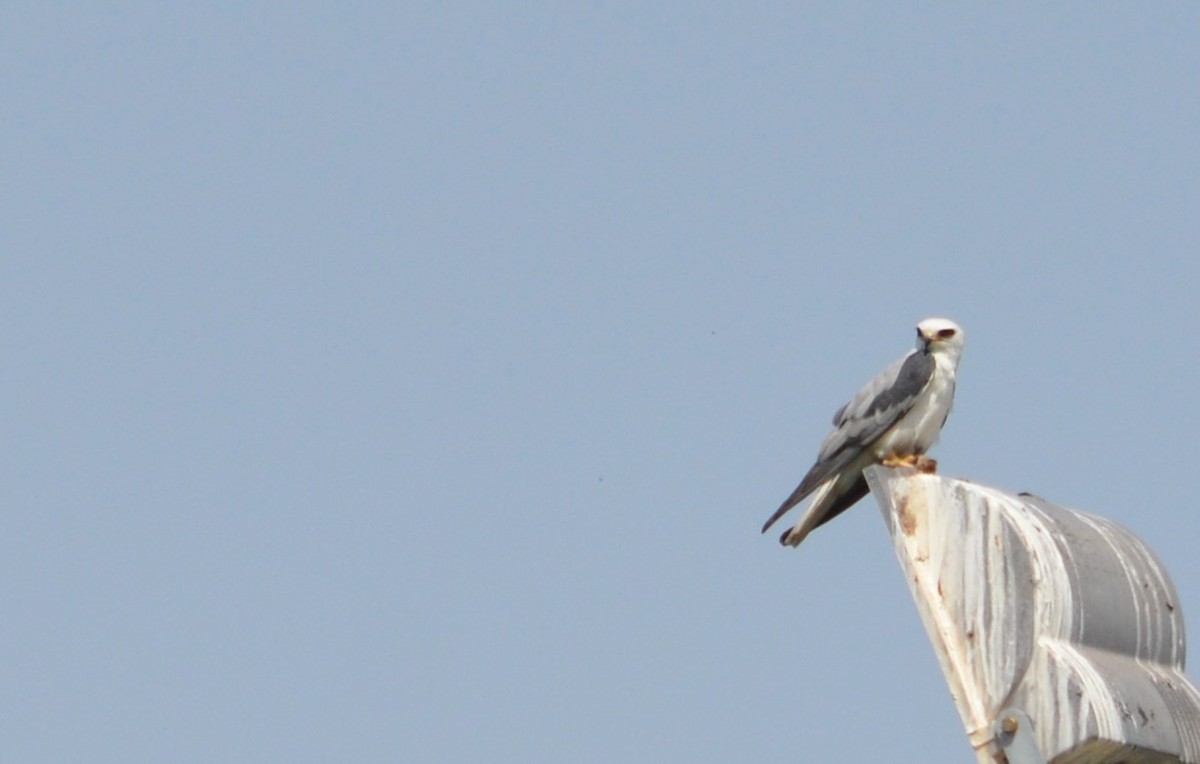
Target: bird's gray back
<point>878,405</point>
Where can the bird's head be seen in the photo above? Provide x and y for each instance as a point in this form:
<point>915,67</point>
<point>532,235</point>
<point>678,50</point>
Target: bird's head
<point>940,335</point>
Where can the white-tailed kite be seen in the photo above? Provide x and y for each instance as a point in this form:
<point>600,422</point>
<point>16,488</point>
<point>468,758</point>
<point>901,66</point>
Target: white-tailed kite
<point>892,420</point>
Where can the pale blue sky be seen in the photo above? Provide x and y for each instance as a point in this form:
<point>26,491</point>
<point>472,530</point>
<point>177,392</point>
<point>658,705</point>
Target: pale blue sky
<point>408,382</point>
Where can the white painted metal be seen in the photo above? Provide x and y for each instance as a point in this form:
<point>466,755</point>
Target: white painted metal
<point>1065,616</point>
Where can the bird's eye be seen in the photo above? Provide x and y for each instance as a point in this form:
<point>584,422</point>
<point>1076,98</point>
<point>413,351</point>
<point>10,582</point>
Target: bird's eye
<point>945,334</point>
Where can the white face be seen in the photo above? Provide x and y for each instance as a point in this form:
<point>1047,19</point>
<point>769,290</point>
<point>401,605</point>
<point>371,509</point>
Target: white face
<point>939,334</point>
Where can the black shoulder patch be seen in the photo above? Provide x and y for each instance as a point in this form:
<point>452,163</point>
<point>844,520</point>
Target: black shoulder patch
<point>914,375</point>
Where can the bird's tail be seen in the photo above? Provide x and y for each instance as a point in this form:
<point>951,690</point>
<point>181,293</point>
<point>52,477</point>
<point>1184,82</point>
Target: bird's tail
<point>791,501</point>
<point>813,516</point>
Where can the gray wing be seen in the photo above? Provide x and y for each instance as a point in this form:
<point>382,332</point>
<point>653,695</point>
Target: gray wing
<point>880,403</point>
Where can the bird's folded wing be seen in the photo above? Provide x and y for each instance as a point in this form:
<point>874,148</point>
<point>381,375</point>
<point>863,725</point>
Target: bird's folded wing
<point>879,405</point>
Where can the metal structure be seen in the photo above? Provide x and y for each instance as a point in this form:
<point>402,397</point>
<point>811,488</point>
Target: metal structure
<point>1059,633</point>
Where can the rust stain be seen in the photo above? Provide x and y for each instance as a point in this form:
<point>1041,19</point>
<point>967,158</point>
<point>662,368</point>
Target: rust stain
<point>926,466</point>
<point>908,521</point>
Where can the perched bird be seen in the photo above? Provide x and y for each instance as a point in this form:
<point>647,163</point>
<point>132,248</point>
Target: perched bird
<point>893,420</point>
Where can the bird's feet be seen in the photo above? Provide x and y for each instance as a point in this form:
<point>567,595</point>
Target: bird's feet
<point>899,460</point>
<point>920,463</point>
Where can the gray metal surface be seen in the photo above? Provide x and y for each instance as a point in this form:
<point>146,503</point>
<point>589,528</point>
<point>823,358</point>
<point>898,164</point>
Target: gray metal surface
<point>1013,733</point>
<point>1065,616</point>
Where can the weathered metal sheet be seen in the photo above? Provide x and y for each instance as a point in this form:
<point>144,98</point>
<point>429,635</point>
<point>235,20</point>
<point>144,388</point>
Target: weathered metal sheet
<point>1065,616</point>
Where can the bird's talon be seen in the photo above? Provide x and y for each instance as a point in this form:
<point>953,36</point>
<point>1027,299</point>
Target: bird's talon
<point>926,466</point>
